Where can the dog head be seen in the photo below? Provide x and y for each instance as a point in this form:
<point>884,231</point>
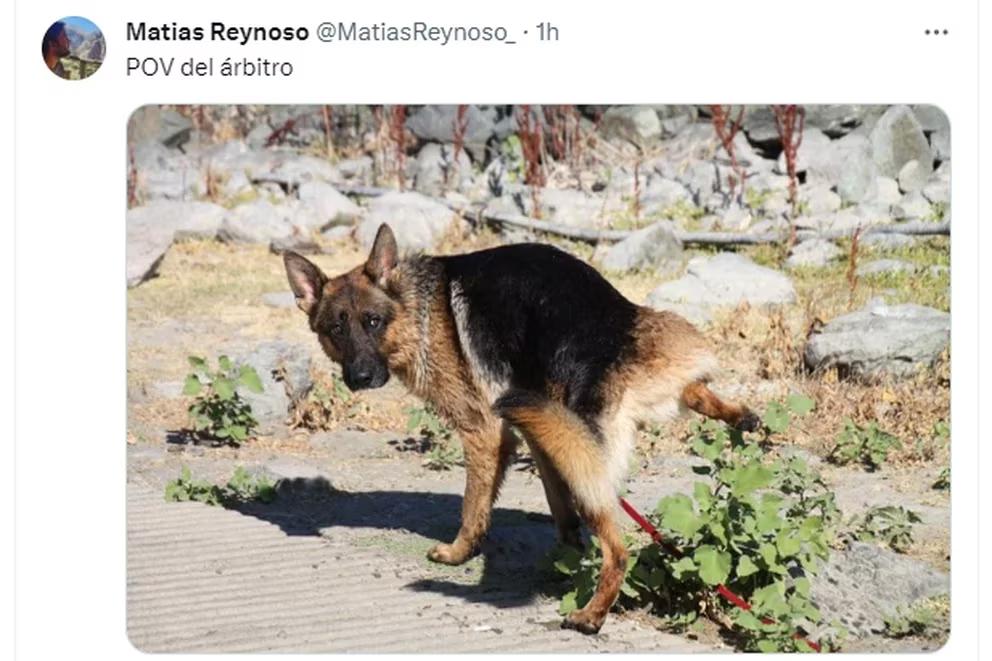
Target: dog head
<point>351,313</point>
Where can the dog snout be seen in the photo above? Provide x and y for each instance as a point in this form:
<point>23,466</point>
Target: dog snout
<point>366,375</point>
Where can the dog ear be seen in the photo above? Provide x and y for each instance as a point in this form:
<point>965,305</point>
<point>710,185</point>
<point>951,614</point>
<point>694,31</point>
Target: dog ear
<point>305,279</point>
<point>384,255</point>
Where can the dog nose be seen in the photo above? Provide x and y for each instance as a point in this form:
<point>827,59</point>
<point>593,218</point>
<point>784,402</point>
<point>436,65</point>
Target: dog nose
<point>362,377</point>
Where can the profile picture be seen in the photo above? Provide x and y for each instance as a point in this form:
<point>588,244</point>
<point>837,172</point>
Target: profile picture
<point>73,48</point>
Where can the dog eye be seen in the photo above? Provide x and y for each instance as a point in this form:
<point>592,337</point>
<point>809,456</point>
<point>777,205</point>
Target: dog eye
<point>336,329</point>
<point>373,320</point>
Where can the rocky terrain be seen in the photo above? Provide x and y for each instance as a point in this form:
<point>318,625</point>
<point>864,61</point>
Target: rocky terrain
<point>818,265</point>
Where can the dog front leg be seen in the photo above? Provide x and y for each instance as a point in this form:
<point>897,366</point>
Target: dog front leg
<point>487,456</point>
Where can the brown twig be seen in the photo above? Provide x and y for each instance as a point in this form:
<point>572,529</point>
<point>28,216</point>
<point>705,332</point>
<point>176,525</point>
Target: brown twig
<point>532,145</point>
<point>790,120</point>
<point>397,133</point>
<point>726,130</point>
<point>852,265</point>
<point>132,179</point>
<point>328,139</point>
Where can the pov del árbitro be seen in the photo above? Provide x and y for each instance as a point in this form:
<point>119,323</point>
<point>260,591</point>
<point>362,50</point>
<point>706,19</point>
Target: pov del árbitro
<point>192,67</point>
<point>228,66</point>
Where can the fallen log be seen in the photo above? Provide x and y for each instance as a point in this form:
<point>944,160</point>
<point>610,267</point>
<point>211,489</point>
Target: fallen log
<point>477,214</point>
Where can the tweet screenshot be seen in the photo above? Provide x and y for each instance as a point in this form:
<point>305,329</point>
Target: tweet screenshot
<point>388,327</point>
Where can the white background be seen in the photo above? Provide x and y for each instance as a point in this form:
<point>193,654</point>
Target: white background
<point>70,202</point>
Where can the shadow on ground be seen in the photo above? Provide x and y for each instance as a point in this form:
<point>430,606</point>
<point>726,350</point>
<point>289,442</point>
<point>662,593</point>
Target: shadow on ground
<point>512,553</point>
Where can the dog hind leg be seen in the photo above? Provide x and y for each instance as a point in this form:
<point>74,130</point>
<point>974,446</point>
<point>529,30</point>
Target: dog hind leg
<point>560,500</point>
<point>569,445</point>
<point>698,397</point>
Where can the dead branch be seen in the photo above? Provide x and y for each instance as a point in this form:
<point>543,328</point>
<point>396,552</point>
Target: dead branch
<point>477,214</point>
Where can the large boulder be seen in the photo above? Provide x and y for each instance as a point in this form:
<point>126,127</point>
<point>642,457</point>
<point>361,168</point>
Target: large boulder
<point>880,340</point>
<point>261,221</point>
<point>637,124</point>
<point>655,247</point>
<point>437,124</point>
<point>330,206</point>
<point>898,139</point>
<point>152,228</point>
<point>436,171</point>
<point>418,222</point>
<point>722,281</point>
<point>864,583</point>
<point>814,252</point>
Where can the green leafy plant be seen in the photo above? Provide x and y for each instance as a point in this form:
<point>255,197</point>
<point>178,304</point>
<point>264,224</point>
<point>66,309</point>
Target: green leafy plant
<point>759,525</point>
<point>218,411</point>
<point>185,488</point>
<point>441,454</point>
<point>869,445</point>
<point>246,487</point>
<point>242,487</point>
<point>927,618</point>
<point>943,481</point>
<point>889,524</point>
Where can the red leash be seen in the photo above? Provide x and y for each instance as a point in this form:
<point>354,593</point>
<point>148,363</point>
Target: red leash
<point>721,589</point>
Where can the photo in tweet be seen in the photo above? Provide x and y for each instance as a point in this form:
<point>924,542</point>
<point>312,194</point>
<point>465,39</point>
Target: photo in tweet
<point>391,367</point>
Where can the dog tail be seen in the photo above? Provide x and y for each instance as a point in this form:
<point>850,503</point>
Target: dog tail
<point>698,397</point>
<point>567,441</point>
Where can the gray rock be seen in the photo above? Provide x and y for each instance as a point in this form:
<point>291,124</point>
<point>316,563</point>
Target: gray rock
<point>912,177</point>
<point>435,169</point>
<point>258,221</point>
<point>816,157</point>
<point>813,252</point>
<point>880,339</point>
<point>736,218</point>
<point>819,199</point>
<point>937,128</point>
<point>292,170</point>
<point>284,369</point>
<point>337,233</point>
<point>574,208</point>
<point>883,191</point>
<point>897,139</point>
<point>938,192</point>
<point>279,299</point>
<point>654,247</point>
<point>163,125</point>
<point>418,222</point>
<point>887,241</point>
<point>329,206</point>
<point>724,280</point>
<point>864,583</point>
<point>355,168</point>
<point>856,169</point>
<point>912,206</point>
<point>837,120</point>
<point>882,266</point>
<point>437,124</point>
<point>152,228</point>
<point>637,124</point>
<point>661,194</point>
<point>161,173</point>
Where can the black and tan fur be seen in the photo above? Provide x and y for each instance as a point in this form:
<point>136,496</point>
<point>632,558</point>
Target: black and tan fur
<point>523,336</point>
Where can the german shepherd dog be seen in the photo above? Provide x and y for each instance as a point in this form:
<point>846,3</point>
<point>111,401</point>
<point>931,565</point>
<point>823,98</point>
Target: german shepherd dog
<point>522,336</point>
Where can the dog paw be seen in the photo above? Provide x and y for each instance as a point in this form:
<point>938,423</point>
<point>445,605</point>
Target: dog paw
<point>749,422</point>
<point>583,621</point>
<point>448,554</point>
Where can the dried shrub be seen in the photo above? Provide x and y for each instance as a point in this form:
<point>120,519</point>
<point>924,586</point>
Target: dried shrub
<point>790,120</point>
<point>532,145</point>
<point>726,130</point>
